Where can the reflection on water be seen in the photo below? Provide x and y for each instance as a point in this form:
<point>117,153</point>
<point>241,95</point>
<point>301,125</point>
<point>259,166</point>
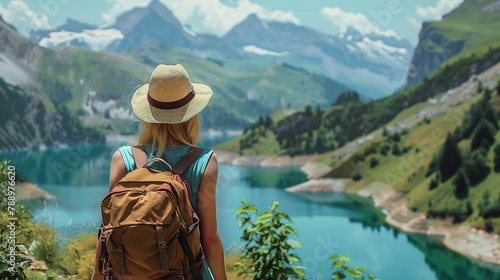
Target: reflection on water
<point>328,223</point>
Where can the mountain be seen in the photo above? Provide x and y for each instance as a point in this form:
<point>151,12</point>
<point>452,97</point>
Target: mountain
<point>152,22</point>
<point>373,64</point>
<point>19,57</point>
<point>472,23</point>
<point>70,25</point>
<point>30,118</point>
<point>242,96</point>
<point>95,87</point>
<point>334,127</point>
<point>29,121</point>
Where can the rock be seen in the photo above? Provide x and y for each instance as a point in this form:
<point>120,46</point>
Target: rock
<point>426,57</point>
<point>38,266</point>
<point>319,185</point>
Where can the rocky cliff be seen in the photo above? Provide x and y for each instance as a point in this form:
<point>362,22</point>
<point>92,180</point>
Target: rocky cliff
<point>28,121</point>
<point>472,23</point>
<point>432,50</point>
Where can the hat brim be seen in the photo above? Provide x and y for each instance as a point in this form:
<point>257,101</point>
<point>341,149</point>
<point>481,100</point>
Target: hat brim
<point>146,112</point>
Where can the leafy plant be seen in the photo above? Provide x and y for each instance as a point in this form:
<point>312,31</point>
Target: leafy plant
<point>80,255</point>
<point>341,269</point>
<point>266,253</point>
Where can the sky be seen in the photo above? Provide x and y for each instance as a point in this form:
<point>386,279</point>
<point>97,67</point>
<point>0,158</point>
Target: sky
<point>401,18</point>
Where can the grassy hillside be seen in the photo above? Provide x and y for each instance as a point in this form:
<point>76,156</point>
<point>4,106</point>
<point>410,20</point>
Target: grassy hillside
<point>410,168</point>
<point>471,22</point>
<point>318,130</point>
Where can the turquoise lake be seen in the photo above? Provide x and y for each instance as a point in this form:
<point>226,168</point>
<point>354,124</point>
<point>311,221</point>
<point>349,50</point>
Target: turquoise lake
<point>327,223</point>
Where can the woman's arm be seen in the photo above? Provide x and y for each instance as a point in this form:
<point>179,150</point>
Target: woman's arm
<point>210,239</point>
<point>117,170</point>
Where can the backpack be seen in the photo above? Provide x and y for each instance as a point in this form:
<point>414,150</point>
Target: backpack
<point>150,230</point>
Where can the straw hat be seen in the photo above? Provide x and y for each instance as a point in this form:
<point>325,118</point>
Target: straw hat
<point>170,97</point>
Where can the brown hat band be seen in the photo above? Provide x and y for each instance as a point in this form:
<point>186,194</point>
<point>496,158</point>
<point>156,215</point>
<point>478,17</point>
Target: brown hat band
<point>171,105</point>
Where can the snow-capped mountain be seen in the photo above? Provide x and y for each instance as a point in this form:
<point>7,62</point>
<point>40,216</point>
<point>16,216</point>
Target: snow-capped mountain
<point>373,64</point>
<point>358,60</point>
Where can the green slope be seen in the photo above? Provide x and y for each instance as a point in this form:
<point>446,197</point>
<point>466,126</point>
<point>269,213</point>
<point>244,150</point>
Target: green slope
<point>470,23</point>
<point>408,171</point>
<point>242,96</point>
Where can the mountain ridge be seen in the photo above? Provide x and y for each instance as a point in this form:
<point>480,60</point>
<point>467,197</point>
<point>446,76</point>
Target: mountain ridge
<point>361,65</point>
<point>466,26</point>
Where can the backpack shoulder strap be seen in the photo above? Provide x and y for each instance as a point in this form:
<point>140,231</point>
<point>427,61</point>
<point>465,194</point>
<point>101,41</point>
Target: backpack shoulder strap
<point>188,159</point>
<point>142,157</point>
<point>128,157</point>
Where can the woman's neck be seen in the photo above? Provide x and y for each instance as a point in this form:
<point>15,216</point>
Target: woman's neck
<point>175,143</point>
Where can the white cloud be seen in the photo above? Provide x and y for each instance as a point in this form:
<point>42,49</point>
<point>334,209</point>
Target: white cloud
<point>23,18</point>
<point>357,20</point>
<point>219,18</point>
<point>210,14</point>
<point>377,48</point>
<point>436,12</point>
<point>97,39</point>
<point>120,6</point>
<point>261,51</point>
<point>415,22</point>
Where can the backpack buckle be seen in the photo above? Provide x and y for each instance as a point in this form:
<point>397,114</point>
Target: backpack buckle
<point>162,246</point>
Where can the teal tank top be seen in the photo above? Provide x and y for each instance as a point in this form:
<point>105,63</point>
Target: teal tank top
<point>193,174</point>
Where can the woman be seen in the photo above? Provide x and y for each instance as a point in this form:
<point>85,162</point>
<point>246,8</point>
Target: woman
<point>169,107</point>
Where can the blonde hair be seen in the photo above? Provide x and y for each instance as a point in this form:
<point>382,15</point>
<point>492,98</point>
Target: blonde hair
<point>163,135</point>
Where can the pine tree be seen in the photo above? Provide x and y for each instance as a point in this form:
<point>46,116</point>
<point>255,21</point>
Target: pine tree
<point>395,149</point>
<point>320,146</point>
<point>308,110</point>
<point>496,159</point>
<point>479,87</point>
<point>483,136</point>
<point>396,137</point>
<point>476,166</point>
<point>450,158</point>
<point>461,185</point>
<point>268,122</point>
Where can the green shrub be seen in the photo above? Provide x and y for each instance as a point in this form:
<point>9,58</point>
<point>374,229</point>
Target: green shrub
<point>266,253</point>
<point>46,248</point>
<point>356,176</point>
<point>476,166</point>
<point>396,137</point>
<point>80,255</point>
<point>385,149</point>
<point>483,136</point>
<point>396,150</point>
<point>373,162</point>
<point>341,269</point>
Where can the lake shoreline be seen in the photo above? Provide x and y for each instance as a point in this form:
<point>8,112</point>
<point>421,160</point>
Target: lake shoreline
<point>465,240</point>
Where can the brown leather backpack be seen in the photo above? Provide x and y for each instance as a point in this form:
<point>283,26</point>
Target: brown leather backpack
<point>150,230</point>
